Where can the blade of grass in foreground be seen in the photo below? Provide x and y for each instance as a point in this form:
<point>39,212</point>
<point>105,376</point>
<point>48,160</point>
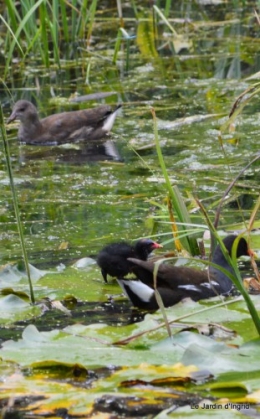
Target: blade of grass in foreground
<point>15,203</point>
<point>230,186</point>
<point>133,337</point>
<point>175,196</point>
<point>237,280</point>
<point>225,303</point>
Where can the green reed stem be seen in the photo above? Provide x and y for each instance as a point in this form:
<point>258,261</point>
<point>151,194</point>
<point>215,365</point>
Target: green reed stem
<point>175,196</point>
<point>127,39</point>
<point>10,32</point>
<point>44,36</point>
<point>167,8</point>
<point>237,280</point>
<point>65,28</point>
<point>117,45</point>
<point>15,203</point>
<point>21,27</point>
<point>55,43</point>
<point>84,15</point>
<point>159,298</point>
<point>92,12</point>
<point>12,15</point>
<point>167,23</point>
<point>134,7</point>
<point>73,20</point>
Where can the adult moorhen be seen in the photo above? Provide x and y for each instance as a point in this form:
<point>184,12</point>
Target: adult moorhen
<point>61,128</point>
<point>113,258</point>
<point>176,283</point>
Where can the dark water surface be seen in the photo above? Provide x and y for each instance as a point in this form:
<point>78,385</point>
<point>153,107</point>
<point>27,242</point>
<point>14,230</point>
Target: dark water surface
<point>96,193</point>
<point>74,200</point>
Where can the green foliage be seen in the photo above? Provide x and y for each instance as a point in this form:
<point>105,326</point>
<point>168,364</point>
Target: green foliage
<point>15,202</point>
<point>42,27</point>
<point>88,205</point>
<point>177,201</point>
<point>191,364</point>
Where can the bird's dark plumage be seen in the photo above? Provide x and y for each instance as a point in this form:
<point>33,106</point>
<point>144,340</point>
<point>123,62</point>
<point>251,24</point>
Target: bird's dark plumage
<point>113,258</point>
<point>176,283</point>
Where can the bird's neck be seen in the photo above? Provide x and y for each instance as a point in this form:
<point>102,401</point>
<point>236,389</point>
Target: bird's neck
<point>220,260</point>
<point>30,126</point>
<point>141,253</point>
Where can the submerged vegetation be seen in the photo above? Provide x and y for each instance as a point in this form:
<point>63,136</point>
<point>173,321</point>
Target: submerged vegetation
<point>175,172</point>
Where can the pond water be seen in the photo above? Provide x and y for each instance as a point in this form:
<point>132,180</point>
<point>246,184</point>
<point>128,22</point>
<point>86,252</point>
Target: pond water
<point>75,200</point>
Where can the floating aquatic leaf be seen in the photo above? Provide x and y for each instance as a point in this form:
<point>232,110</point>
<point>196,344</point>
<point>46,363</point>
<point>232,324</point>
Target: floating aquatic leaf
<point>84,263</point>
<point>13,273</point>
<point>13,308</point>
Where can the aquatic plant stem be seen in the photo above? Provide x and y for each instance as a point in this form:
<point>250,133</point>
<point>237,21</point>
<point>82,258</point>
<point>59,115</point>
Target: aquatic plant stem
<point>175,196</point>
<point>21,27</point>
<point>131,338</point>
<point>15,203</point>
<point>230,186</point>
<point>232,261</point>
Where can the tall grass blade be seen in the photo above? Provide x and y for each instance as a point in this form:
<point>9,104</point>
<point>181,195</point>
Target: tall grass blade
<point>13,35</point>
<point>122,33</point>
<point>55,20</point>
<point>20,28</point>
<point>162,309</point>
<point>88,74</point>
<point>92,12</point>
<point>127,55</point>
<point>134,7</point>
<point>65,28</point>
<point>173,225</point>
<point>243,99</point>
<point>131,338</point>
<point>15,202</point>
<point>250,226</point>
<point>117,45</point>
<point>159,298</point>
<point>164,19</point>
<point>216,221</point>
<point>254,213</point>
<point>237,280</point>
<point>183,216</point>
<point>44,35</point>
<point>55,43</point>
<point>120,12</point>
<point>83,19</point>
<point>167,8</point>
<point>73,20</point>
<point>33,42</point>
<point>13,15</point>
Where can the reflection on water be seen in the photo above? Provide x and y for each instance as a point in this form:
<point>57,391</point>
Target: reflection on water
<point>83,153</point>
<point>82,195</point>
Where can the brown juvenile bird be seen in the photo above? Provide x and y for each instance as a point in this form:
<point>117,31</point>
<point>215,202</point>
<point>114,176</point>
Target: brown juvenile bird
<point>61,128</point>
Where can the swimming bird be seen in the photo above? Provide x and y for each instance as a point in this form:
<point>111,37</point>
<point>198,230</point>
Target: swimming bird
<point>174,283</point>
<point>61,128</point>
<point>113,258</point>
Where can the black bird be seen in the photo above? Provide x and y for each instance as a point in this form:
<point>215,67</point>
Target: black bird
<point>176,283</point>
<point>113,258</point>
